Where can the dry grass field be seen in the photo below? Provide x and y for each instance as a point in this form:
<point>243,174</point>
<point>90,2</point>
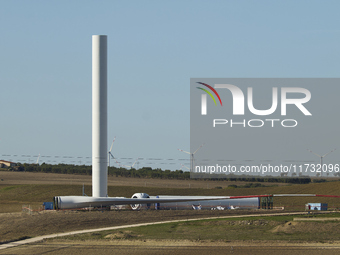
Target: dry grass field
<point>19,188</point>
<point>16,226</point>
<point>170,247</point>
<point>14,178</point>
<point>259,235</point>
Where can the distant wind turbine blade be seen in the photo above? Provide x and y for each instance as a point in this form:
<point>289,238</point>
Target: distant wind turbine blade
<point>198,148</point>
<point>38,159</point>
<point>185,167</point>
<point>329,152</point>
<point>117,163</point>
<point>184,151</point>
<point>314,153</point>
<point>135,162</point>
<point>112,144</point>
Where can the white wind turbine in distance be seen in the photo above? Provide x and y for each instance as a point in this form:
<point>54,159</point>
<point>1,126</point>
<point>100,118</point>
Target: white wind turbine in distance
<point>126,165</point>
<point>38,159</point>
<point>192,157</point>
<point>110,154</point>
<point>321,157</point>
<point>184,166</point>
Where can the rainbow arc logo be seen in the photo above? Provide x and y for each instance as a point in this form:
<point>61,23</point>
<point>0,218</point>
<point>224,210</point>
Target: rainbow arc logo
<point>204,97</point>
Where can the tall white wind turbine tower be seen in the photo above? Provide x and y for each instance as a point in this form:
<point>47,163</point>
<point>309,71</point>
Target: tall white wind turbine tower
<point>192,157</point>
<point>99,116</point>
<point>99,145</point>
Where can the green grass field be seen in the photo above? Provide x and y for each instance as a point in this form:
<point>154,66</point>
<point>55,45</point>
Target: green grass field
<point>246,229</point>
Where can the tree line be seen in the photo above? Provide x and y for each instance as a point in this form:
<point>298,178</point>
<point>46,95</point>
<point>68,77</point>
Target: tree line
<point>147,172</point>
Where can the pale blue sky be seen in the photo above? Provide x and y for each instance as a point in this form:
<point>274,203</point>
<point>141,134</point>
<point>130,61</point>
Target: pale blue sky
<point>155,47</point>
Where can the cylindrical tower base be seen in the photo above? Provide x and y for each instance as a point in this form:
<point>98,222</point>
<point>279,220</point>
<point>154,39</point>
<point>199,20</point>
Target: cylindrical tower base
<point>99,115</point>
